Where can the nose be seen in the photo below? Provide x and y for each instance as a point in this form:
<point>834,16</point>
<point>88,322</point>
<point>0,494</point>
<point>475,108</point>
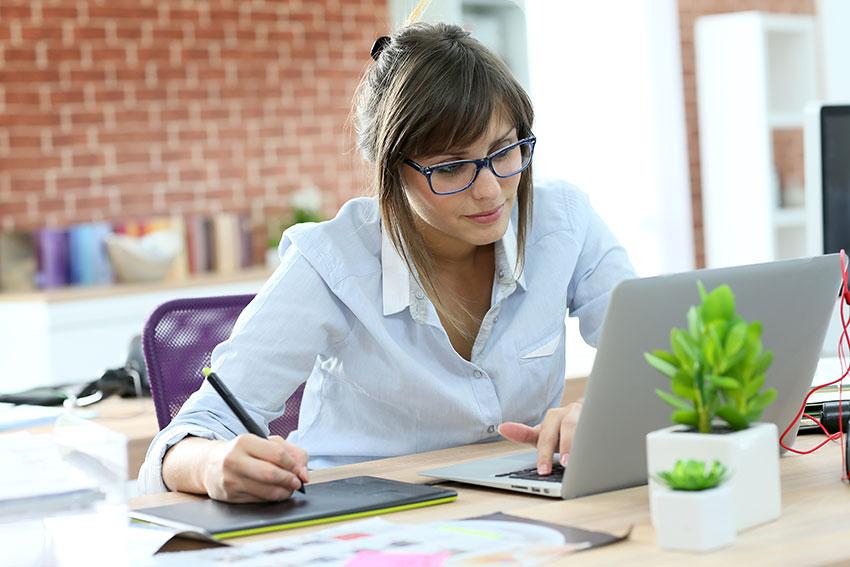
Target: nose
<point>486,185</point>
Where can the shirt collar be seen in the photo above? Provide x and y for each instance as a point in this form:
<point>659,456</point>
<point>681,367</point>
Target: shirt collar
<point>397,280</point>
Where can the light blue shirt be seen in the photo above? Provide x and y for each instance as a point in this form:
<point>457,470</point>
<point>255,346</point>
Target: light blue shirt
<point>343,313</point>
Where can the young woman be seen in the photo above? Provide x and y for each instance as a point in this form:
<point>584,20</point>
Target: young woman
<point>428,316</point>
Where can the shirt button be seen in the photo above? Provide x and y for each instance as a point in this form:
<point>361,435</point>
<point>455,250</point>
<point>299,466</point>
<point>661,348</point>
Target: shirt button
<point>491,429</point>
<point>501,274</point>
<point>496,319</point>
<point>420,295</point>
<point>477,374</point>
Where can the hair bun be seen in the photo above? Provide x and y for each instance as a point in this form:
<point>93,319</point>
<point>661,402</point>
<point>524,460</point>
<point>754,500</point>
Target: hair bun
<point>379,46</point>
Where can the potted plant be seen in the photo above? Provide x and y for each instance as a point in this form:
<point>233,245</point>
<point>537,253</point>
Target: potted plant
<point>717,372</point>
<point>692,512</point>
<point>305,206</point>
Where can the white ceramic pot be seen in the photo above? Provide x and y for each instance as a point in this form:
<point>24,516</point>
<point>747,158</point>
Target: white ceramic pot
<point>693,520</point>
<point>751,456</point>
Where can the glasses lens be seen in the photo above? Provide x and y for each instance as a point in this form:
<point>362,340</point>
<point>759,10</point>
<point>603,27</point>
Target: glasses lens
<point>512,160</point>
<point>452,177</point>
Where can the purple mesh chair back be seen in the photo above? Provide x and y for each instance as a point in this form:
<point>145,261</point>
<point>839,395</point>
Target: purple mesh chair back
<point>177,341</point>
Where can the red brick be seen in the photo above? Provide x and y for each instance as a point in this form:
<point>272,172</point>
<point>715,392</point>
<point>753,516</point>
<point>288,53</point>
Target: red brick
<point>19,55</point>
<point>213,33</point>
<point>103,54</point>
<point>130,74</point>
<point>127,155</point>
<point>92,202</point>
<point>188,174</point>
<point>88,75</point>
<point>35,33</point>
<point>124,135</point>
<point>58,54</point>
<point>89,159</point>
<point>28,119</point>
<point>110,95</point>
<point>169,156</point>
<point>14,206</point>
<point>174,114</point>
<point>157,94</point>
<point>10,77</point>
<point>85,117</point>
<point>113,10</point>
<point>128,30</point>
<point>192,135</point>
<point>159,53</point>
<point>191,15</point>
<point>64,97</point>
<point>22,96</point>
<point>73,182</point>
<point>73,139</point>
<point>88,32</point>
<point>123,179</point>
<point>9,11</point>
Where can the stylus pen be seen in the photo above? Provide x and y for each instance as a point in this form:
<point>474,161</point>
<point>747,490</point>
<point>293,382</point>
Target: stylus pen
<point>238,410</point>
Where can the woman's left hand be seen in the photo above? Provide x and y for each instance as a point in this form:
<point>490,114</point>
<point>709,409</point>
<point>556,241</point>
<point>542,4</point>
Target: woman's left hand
<point>553,434</point>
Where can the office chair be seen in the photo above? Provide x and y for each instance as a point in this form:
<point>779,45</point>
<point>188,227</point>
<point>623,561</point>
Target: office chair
<point>177,341</point>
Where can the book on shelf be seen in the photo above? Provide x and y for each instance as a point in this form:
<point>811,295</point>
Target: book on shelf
<point>88,260</point>
<point>180,267</point>
<point>227,243</point>
<point>17,261</point>
<point>52,255</point>
<point>197,244</point>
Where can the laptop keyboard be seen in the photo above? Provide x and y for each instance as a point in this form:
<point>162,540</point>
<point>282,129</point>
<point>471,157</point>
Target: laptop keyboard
<point>557,474</point>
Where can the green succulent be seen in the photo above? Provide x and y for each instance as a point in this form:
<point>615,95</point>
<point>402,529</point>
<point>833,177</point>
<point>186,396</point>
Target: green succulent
<point>691,475</point>
<point>717,366</point>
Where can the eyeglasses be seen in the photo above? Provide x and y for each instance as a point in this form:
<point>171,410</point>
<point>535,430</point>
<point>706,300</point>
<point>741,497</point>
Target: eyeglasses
<point>456,176</point>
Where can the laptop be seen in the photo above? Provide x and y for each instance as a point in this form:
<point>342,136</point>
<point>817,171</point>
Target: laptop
<point>794,300</point>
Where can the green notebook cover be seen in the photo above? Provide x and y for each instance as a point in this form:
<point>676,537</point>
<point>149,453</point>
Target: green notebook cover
<point>324,502</point>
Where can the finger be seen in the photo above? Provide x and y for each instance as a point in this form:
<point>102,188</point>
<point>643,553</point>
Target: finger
<point>249,490</point>
<point>264,472</point>
<point>268,450</point>
<point>568,430</point>
<point>298,454</point>
<point>548,440</point>
<point>519,432</point>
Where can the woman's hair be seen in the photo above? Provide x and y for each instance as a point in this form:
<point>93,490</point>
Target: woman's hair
<point>433,88</point>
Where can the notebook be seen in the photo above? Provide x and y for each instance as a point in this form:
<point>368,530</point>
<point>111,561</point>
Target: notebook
<point>794,299</point>
<point>324,502</point>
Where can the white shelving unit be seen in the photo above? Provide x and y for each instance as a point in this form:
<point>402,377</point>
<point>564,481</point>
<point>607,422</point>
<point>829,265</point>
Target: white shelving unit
<point>755,73</point>
<point>73,334</point>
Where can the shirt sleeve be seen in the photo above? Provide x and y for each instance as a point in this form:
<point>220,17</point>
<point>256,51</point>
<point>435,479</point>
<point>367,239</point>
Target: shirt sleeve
<point>273,347</point>
<point>601,264</point>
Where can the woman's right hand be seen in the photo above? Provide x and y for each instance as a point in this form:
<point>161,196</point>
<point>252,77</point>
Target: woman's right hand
<point>252,469</point>
<point>245,469</point>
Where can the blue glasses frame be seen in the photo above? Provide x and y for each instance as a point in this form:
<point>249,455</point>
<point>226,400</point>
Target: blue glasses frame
<point>479,165</point>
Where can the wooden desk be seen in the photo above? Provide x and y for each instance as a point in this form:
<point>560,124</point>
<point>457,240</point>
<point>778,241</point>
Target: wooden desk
<point>133,417</point>
<point>811,530</point>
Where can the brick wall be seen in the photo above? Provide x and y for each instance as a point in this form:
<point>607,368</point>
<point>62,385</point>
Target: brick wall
<point>121,109</point>
<point>788,146</point>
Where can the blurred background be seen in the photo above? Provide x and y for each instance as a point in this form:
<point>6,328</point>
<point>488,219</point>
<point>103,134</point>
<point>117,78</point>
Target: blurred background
<point>156,148</point>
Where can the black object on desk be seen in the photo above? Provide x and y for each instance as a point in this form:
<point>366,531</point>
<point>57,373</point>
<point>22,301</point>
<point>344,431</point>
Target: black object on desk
<point>827,414</point>
<point>238,410</point>
<point>342,499</point>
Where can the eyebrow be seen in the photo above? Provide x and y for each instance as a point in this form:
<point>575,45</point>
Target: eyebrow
<point>456,157</point>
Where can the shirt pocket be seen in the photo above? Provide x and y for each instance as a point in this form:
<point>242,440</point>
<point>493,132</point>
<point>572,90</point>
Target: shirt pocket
<point>540,348</point>
<point>540,364</point>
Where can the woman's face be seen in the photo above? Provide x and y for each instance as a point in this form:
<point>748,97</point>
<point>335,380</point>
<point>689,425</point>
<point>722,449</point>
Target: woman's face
<point>455,224</point>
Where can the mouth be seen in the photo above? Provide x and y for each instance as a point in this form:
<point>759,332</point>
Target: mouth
<point>487,216</point>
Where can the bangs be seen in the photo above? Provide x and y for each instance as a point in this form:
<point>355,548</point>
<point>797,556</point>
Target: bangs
<point>459,102</point>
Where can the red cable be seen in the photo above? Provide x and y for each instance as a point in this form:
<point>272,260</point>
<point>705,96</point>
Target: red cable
<point>843,340</point>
